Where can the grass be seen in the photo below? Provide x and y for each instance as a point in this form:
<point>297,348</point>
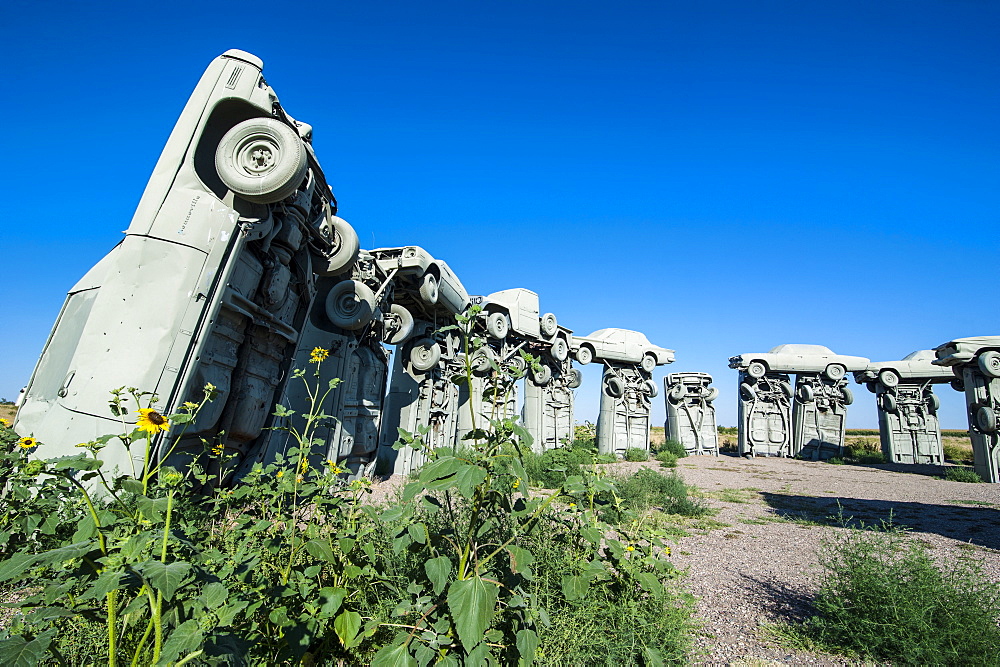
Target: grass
<point>552,467</point>
<point>980,503</point>
<point>636,455</point>
<point>743,495</point>
<point>884,598</point>
<point>961,474</point>
<point>649,491</point>
<point>667,459</point>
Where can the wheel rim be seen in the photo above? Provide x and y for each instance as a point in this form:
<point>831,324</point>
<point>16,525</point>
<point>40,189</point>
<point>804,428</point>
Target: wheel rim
<point>990,363</point>
<point>257,155</point>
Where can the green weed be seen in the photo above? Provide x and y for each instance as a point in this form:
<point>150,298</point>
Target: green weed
<point>882,596</point>
<point>962,474</point>
<point>636,455</point>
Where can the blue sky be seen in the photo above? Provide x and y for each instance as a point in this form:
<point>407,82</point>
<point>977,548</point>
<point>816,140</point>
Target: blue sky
<point>723,176</point>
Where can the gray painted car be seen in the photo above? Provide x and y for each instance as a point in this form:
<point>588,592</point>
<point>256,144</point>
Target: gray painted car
<point>432,285</point>
<point>211,284</point>
<point>798,358</point>
<point>621,345</point>
<point>915,365</point>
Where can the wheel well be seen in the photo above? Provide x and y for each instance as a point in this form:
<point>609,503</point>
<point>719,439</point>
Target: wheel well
<point>224,116</point>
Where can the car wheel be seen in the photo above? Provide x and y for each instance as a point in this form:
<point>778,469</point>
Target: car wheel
<point>676,393</point>
<point>888,403</point>
<point>429,288</point>
<point>425,354</point>
<point>713,393</point>
<point>989,363</point>
<point>575,378</point>
<point>835,372</point>
<point>804,394</point>
<point>756,369</point>
<point>614,387</point>
<point>498,324</point>
<point>747,392</point>
<point>933,403</point>
<point>398,326</point>
<point>889,378</point>
<point>585,354</point>
<point>481,359</point>
<point>650,389</point>
<point>548,325</point>
<point>648,363</point>
<point>559,349</point>
<point>262,160</point>
<point>986,419</point>
<point>516,366</point>
<point>848,395</point>
<point>872,387</point>
<point>344,248</point>
<point>542,376</point>
<point>786,389</point>
<point>958,384</point>
<point>350,305</point>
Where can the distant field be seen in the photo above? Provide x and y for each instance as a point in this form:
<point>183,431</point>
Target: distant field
<point>7,411</point>
<point>956,442</point>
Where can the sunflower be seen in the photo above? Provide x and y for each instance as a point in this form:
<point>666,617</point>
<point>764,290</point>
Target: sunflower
<point>151,421</point>
<point>4,422</point>
<point>318,354</point>
<point>27,443</point>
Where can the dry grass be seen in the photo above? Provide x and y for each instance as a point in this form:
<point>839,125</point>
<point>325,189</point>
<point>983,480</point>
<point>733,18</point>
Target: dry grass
<point>7,411</point>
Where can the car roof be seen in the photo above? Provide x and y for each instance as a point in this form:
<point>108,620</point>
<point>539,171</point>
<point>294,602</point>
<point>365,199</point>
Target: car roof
<point>800,348</point>
<point>920,355</point>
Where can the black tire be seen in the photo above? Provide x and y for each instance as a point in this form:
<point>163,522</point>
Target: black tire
<point>425,354</point>
<point>986,419</point>
<point>614,387</point>
<point>747,392</point>
<point>350,305</point>
<point>429,288</point>
<point>958,384</point>
<point>889,378</point>
<point>872,387</point>
<point>575,378</point>
<point>835,372</point>
<point>585,354</point>
<point>756,369</point>
<point>548,325</point>
<point>989,363</point>
<point>262,160</point>
<point>498,324</point>
<point>398,326</point>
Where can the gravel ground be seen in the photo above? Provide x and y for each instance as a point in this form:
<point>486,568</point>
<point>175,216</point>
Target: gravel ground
<point>762,568</point>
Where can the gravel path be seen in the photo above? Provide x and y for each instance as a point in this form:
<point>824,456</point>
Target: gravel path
<point>762,567</point>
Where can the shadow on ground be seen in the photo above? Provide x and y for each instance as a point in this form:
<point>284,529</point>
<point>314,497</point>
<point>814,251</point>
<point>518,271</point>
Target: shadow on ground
<point>965,523</point>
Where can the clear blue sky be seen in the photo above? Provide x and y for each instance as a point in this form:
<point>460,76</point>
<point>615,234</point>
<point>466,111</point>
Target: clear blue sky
<point>724,176</point>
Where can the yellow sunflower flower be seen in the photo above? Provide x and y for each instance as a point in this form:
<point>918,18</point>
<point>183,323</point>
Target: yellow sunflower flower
<point>151,421</point>
<point>630,548</point>
<point>4,422</point>
<point>318,354</point>
<point>27,443</point>
<point>279,474</point>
